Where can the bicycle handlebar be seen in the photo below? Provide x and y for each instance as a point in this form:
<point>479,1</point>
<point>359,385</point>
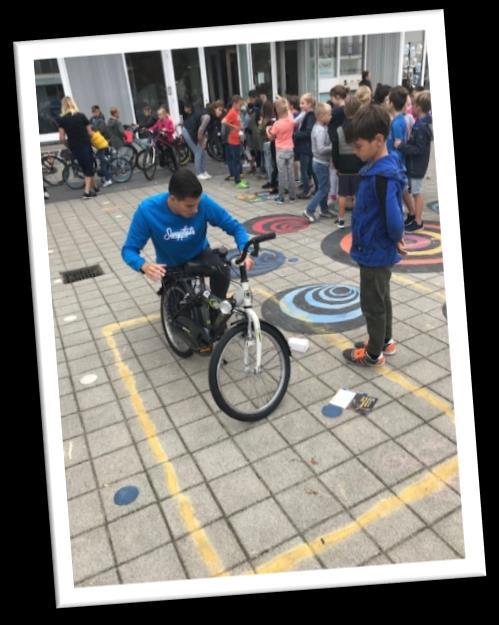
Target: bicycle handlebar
<point>255,242</point>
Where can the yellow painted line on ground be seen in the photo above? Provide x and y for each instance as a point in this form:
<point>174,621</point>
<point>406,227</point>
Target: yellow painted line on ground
<point>340,342</point>
<point>428,485</point>
<point>185,507</point>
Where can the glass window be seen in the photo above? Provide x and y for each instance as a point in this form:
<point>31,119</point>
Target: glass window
<point>262,73</point>
<point>311,66</point>
<point>147,81</point>
<point>351,50</point>
<point>187,78</point>
<point>49,92</point>
<point>327,58</point>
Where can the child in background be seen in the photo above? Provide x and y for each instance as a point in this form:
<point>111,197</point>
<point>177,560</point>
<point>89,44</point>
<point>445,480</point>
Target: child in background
<point>364,95</point>
<point>303,143</point>
<point>321,151</point>
<point>266,120</point>
<point>338,95</point>
<point>417,153</point>
<point>282,132</point>
<point>164,124</point>
<point>233,121</point>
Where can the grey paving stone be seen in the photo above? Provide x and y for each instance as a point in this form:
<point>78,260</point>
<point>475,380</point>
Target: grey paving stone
<point>161,564</point>
<point>389,529</point>
<point>176,391</point>
<point>434,505</point>
<point>322,452</point>
<point>320,363</point>
<point>108,439</point>
<point>445,425</point>
<point>203,506</point>
<point>109,578</point>
<point>75,451</point>
<point>259,441</point>
<point>421,406</point>
<point>157,417</point>
<point>138,533</point>
<point>140,382</point>
<point>282,469</point>
<point>101,416</point>
<point>343,551</point>
<point>149,401</point>
<point>427,444</point>
<point>425,546</point>
<point>297,426</point>
<point>443,388</point>
<point>202,433</point>
<point>377,560</point>
<point>117,465</point>
<point>351,482</point>
<point>77,338</point>
<point>390,462</point>
<point>390,387</point>
<point>88,364</point>
<point>425,323</point>
<point>261,527</point>
<point>170,443</point>
<point>71,426</point>
<point>92,397</point>
<point>238,490</point>
<point>308,563</point>
<point>188,410</point>
<point>359,434</point>
<point>308,503</point>
<point>85,513</point>
<point>451,530</point>
<point>310,391</point>
<point>425,345</point>
<point>68,405</point>
<point>219,459</point>
<point>184,472</point>
<point>395,419</point>
<point>79,479</point>
<point>165,374</point>
<point>65,386</point>
<point>425,372</point>
<point>224,545</point>
<point>91,554</point>
<point>342,377</point>
<point>442,359</point>
<point>145,496</point>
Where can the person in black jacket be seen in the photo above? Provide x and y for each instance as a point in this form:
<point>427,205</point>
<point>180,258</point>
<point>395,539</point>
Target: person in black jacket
<point>303,143</point>
<point>366,75</point>
<point>417,152</point>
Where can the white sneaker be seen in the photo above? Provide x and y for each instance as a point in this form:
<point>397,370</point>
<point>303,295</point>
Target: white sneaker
<point>201,177</point>
<point>207,175</point>
<point>107,183</point>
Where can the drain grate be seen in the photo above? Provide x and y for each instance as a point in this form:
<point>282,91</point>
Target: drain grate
<point>81,274</point>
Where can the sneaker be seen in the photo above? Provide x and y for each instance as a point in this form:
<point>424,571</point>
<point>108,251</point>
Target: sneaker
<point>201,177</point>
<point>339,222</point>
<point>107,183</point>
<point>327,214</point>
<point>207,175</point>
<point>279,199</point>
<point>359,356</point>
<point>389,348</point>
<point>96,189</point>
<point>310,217</point>
<point>243,184</point>
<point>292,200</point>
<point>414,226</point>
<point>303,196</point>
<point>87,196</point>
<point>409,219</point>
<point>267,185</point>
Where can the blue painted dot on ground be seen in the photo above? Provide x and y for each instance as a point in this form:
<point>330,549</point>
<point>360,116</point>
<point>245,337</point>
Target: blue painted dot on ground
<point>293,259</point>
<point>330,410</point>
<point>126,495</point>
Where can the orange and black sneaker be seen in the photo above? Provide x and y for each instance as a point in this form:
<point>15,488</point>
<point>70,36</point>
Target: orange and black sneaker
<point>359,356</point>
<point>389,348</point>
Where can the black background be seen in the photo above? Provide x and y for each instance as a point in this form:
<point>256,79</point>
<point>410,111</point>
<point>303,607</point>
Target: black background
<point>30,573</point>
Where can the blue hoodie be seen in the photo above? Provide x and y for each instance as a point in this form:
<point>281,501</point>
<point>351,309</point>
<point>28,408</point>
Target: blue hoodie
<point>398,130</point>
<point>176,239</point>
<point>376,230</point>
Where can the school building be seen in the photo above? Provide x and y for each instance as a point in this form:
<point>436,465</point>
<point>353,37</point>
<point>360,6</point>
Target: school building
<point>201,75</point>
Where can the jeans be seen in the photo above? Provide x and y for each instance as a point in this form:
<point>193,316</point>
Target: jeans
<point>320,198</point>
<point>376,306</point>
<point>267,157</point>
<point>198,151</point>
<point>307,171</point>
<point>103,158</point>
<point>285,160</point>
<point>234,161</point>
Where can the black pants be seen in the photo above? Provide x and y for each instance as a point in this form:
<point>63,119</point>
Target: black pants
<point>376,306</point>
<point>219,282</point>
<point>275,173</point>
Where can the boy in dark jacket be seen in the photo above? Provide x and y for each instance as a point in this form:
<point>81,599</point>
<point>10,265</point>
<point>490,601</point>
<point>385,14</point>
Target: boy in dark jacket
<point>377,231</point>
<point>417,154</point>
<point>303,143</point>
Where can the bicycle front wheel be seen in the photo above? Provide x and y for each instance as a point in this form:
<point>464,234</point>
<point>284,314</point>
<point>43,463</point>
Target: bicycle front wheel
<point>237,388</point>
<point>73,176</point>
<point>147,162</point>
<point>184,153</point>
<point>52,168</point>
<point>121,170</point>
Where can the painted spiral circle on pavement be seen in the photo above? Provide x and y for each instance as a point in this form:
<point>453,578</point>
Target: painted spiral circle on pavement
<point>315,308</point>
<point>266,261</point>
<point>424,249</point>
<point>280,224</point>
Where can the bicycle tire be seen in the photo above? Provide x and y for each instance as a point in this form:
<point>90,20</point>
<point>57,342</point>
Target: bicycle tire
<point>52,169</point>
<point>148,162</point>
<point>171,159</point>
<point>121,170</point>
<point>170,297</point>
<point>72,176</point>
<point>129,153</point>
<point>184,153</point>
<point>241,412</point>
<point>215,150</point>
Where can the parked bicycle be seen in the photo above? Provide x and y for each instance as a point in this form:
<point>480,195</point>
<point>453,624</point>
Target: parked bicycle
<point>53,164</point>
<point>120,169</point>
<point>250,359</point>
<point>160,152</point>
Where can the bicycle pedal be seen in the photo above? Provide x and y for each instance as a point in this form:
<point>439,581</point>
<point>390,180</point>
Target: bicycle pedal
<point>205,351</point>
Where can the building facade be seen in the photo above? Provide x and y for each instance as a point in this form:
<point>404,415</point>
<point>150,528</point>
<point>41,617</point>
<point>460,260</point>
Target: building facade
<point>201,75</point>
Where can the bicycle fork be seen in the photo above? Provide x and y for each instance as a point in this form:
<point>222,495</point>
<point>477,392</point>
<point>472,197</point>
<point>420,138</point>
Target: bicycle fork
<point>254,333</point>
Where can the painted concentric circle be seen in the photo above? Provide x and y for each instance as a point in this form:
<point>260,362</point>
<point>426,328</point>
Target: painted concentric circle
<point>424,249</point>
<point>315,309</point>
<point>280,224</point>
<point>266,261</point>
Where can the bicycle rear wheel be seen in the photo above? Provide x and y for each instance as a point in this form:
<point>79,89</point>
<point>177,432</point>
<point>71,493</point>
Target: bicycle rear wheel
<point>147,162</point>
<point>121,170</point>
<point>73,176</point>
<point>129,153</point>
<point>170,300</point>
<point>237,389</point>
<point>52,168</point>
<point>184,153</point>
<point>171,158</point>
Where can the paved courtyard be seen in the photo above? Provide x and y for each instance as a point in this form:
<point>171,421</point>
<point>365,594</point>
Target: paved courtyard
<point>297,491</point>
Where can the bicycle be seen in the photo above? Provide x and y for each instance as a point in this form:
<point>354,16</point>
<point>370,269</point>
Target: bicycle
<point>53,164</point>
<point>120,169</point>
<point>251,358</point>
<point>160,151</point>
